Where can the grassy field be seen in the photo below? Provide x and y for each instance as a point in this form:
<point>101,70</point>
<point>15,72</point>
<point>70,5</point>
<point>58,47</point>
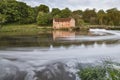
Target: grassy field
<point>30,29</point>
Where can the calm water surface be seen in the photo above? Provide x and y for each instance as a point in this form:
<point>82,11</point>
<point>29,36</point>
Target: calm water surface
<point>54,55</point>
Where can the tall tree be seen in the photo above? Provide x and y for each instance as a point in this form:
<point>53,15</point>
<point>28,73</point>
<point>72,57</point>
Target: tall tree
<point>2,19</point>
<point>65,13</point>
<point>90,16</point>
<point>56,12</point>
<point>100,17</point>
<point>44,19</point>
<point>17,11</point>
<point>114,16</point>
<point>9,8</point>
<point>79,12</point>
<point>77,15</point>
<point>26,13</point>
<point>43,8</point>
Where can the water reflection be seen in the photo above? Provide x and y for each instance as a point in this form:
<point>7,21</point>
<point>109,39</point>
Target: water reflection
<point>61,38</point>
<point>62,34</point>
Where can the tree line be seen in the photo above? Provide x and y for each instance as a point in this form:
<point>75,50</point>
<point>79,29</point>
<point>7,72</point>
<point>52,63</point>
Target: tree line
<point>12,11</point>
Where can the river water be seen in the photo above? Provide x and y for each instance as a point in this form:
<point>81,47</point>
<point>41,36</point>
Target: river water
<point>54,55</point>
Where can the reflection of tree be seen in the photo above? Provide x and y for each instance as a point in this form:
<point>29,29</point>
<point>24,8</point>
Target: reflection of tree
<point>46,40</point>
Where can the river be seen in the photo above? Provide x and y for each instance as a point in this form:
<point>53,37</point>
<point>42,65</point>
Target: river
<point>54,55</point>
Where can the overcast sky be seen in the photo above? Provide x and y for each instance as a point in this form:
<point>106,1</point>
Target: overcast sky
<point>76,4</point>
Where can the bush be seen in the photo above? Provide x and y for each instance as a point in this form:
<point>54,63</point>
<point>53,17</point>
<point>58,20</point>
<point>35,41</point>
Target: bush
<point>44,19</point>
<point>105,72</point>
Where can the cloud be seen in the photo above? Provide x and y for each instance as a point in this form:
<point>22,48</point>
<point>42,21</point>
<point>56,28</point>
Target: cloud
<point>76,4</point>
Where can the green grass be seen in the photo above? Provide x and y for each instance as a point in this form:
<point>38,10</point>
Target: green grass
<point>104,72</point>
<point>29,29</point>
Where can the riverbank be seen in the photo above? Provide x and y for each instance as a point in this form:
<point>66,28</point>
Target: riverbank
<point>106,71</point>
<point>27,29</point>
<point>33,29</point>
<point>104,27</point>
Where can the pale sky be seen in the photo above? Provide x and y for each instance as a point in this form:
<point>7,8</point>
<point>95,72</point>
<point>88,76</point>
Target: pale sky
<point>76,4</point>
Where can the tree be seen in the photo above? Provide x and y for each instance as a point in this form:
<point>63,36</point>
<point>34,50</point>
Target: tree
<point>55,13</point>
<point>43,8</point>
<point>105,19</point>
<point>9,8</point>
<point>77,15</point>
<point>26,13</point>
<point>89,16</point>
<point>79,12</point>
<point>17,12</point>
<point>31,16</point>
<point>65,13</point>
<point>2,19</point>
<point>100,17</point>
<point>44,19</point>
<point>114,16</point>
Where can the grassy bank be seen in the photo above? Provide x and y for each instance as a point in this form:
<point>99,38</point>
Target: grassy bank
<point>33,29</point>
<point>29,29</point>
<point>107,71</point>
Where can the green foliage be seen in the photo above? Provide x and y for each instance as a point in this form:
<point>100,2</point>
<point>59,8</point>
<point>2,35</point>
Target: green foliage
<point>55,13</point>
<point>80,22</point>
<point>65,13</point>
<point>26,13</point>
<point>44,19</point>
<point>105,72</point>
<point>2,19</point>
<point>114,16</point>
<point>43,8</point>
<point>90,16</point>
<point>79,12</point>
<point>96,73</point>
<point>100,17</point>
<point>12,11</point>
<point>111,17</point>
<point>17,12</point>
<point>77,15</point>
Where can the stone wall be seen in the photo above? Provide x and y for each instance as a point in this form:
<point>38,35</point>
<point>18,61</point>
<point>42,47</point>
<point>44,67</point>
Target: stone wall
<point>63,24</point>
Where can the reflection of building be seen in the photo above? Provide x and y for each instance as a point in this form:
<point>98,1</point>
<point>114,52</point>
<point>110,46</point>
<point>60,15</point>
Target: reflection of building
<point>63,23</point>
<point>62,34</point>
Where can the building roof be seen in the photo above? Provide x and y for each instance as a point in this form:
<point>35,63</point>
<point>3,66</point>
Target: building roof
<point>62,19</point>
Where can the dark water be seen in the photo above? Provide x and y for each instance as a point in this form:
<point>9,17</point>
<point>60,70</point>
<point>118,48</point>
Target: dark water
<point>54,55</point>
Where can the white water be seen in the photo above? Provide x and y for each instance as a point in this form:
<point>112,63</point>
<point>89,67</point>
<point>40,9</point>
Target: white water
<point>37,59</point>
<point>113,35</point>
<point>106,31</point>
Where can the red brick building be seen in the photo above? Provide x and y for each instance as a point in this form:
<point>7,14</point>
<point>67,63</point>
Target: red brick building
<point>59,23</point>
